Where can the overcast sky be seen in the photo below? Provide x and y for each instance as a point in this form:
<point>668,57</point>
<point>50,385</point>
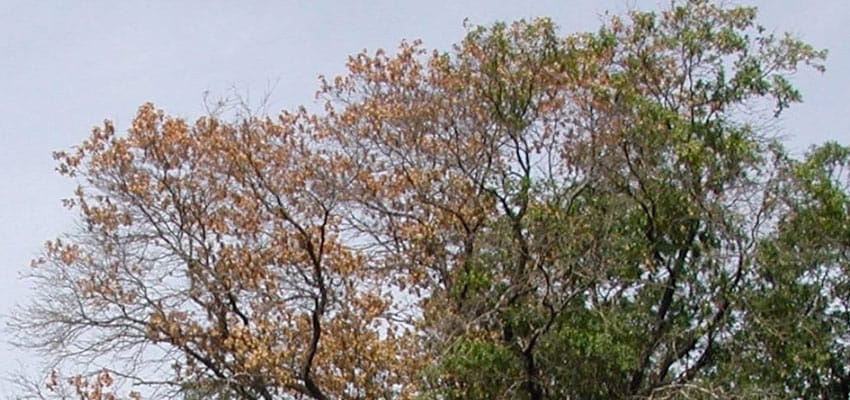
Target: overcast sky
<point>65,66</point>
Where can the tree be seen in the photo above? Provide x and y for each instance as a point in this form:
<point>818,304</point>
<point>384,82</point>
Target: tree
<point>804,265</point>
<point>217,249</point>
<point>529,216</point>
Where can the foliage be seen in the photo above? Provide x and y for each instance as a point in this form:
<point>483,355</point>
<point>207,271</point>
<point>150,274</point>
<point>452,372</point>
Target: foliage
<point>529,216</point>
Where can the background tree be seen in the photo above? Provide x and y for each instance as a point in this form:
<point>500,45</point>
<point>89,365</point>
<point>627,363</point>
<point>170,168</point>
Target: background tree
<point>529,216</point>
<point>804,264</point>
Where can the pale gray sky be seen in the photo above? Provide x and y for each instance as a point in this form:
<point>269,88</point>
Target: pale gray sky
<point>67,65</point>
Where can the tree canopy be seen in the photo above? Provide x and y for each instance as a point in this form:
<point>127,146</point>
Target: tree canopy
<point>600,215</point>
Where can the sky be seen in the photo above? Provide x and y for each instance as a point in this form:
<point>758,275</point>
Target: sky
<point>65,66</point>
